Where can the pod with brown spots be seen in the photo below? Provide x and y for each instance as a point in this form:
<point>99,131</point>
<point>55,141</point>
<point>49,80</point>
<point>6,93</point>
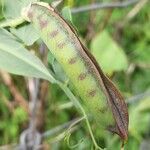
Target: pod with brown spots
<point>99,95</point>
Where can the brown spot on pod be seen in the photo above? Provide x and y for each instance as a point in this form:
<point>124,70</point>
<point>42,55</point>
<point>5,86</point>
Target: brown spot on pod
<point>30,14</point>
<point>54,33</point>
<point>72,60</point>
<point>102,110</point>
<point>82,76</point>
<point>43,23</point>
<point>92,93</point>
<point>61,45</point>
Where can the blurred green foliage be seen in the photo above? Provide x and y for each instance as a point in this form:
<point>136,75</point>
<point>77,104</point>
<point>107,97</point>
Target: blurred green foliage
<point>107,52</point>
<point>123,50</point>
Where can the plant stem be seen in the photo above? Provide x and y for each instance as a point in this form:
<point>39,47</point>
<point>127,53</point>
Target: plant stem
<point>78,105</point>
<point>96,6</point>
<point>59,128</point>
<point>90,130</point>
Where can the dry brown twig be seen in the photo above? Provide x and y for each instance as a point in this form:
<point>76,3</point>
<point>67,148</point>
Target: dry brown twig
<point>43,93</point>
<point>15,93</point>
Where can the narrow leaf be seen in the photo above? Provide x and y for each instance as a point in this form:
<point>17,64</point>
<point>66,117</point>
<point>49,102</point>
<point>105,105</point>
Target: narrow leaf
<point>14,58</point>
<point>13,7</point>
<point>27,34</point>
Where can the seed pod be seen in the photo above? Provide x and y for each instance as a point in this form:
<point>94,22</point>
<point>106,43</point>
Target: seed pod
<point>99,95</point>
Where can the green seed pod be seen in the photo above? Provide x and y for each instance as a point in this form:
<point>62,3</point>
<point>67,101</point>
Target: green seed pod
<point>99,95</point>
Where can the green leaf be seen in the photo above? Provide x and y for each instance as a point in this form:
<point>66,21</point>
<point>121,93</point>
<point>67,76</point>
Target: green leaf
<point>139,117</point>
<point>18,60</point>
<point>59,72</point>
<point>141,51</point>
<point>13,7</point>
<point>19,115</point>
<point>66,13</point>
<point>11,22</point>
<point>109,55</point>
<point>26,33</point>
<point>50,58</point>
<point>57,69</point>
<point>140,80</point>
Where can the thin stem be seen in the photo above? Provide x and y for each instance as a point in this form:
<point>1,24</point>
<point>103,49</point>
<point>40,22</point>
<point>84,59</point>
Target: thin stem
<point>78,105</point>
<point>90,130</point>
<point>76,122</point>
<point>68,132</point>
<point>96,6</point>
<point>59,128</point>
<point>33,89</point>
<point>138,97</point>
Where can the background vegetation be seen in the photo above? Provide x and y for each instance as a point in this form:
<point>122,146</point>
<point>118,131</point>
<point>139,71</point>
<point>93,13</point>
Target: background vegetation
<point>119,38</point>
